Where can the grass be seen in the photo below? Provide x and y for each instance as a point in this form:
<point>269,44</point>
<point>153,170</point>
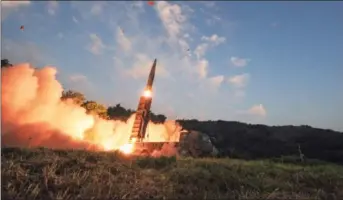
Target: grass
<point>61,174</point>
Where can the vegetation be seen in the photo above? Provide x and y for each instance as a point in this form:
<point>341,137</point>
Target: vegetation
<point>5,63</point>
<point>60,174</point>
<point>241,140</point>
<point>112,112</point>
<point>248,141</point>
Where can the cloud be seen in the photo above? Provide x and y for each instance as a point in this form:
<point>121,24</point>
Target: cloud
<point>239,62</point>
<point>78,82</point>
<point>211,41</point>
<point>213,20</point>
<point>60,35</point>
<point>78,78</point>
<point>75,20</point>
<point>18,52</point>
<point>239,93</point>
<point>239,81</point>
<point>200,50</point>
<point>215,39</point>
<point>14,4</point>
<point>256,114</point>
<point>8,7</point>
<point>142,65</point>
<point>122,40</point>
<point>258,110</point>
<point>202,68</point>
<point>216,81</point>
<point>97,9</point>
<point>52,7</point>
<point>141,39</point>
<point>209,4</point>
<point>172,17</point>
<point>96,47</point>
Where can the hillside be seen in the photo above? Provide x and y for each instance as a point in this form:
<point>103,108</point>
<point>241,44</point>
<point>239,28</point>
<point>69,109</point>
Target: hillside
<point>51,174</point>
<point>248,141</point>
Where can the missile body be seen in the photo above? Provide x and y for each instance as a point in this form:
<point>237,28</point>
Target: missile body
<point>143,110</point>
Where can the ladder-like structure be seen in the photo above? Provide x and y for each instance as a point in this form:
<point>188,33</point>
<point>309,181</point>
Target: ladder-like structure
<point>143,110</point>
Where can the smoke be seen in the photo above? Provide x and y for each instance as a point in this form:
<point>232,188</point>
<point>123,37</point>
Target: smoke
<point>33,115</point>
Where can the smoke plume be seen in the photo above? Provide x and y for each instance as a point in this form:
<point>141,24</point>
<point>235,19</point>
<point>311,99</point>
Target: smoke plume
<point>33,115</point>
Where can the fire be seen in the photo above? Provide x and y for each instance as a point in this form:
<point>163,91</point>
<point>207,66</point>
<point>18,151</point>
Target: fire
<point>31,108</point>
<point>147,93</point>
<point>128,148</point>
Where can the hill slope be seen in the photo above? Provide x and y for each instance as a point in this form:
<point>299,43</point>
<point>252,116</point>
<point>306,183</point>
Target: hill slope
<point>250,141</point>
<point>51,174</point>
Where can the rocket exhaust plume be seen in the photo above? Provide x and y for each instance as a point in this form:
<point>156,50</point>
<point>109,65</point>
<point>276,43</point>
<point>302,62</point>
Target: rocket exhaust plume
<point>33,115</point>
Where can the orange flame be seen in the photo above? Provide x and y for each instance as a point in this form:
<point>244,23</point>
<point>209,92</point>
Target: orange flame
<point>128,148</point>
<point>31,102</point>
<point>147,93</point>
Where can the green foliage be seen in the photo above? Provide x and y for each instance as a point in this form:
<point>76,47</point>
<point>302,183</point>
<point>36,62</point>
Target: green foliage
<point>119,113</point>
<point>157,118</point>
<point>77,97</point>
<point>75,174</point>
<point>246,141</point>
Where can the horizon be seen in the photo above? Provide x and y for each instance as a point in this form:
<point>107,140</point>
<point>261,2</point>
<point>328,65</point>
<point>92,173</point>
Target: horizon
<point>273,63</point>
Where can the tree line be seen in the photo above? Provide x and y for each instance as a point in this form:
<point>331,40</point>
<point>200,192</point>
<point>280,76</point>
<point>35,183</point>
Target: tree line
<point>237,139</point>
<point>116,112</point>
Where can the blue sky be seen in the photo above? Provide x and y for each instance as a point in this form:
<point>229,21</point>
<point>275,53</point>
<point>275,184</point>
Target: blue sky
<point>275,63</point>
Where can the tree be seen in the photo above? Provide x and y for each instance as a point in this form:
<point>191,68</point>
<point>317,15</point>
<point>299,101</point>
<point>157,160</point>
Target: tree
<point>93,107</point>
<point>5,63</point>
<point>77,97</point>
<point>157,118</point>
<point>119,113</point>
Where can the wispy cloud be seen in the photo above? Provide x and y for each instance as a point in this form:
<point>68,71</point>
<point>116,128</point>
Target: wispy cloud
<point>52,7</point>
<point>96,46</point>
<point>14,4</point>
<point>200,50</point>
<point>97,8</point>
<point>180,48</point>
<point>172,17</point>
<point>210,41</point>
<point>79,82</point>
<point>60,35</point>
<point>239,81</point>
<point>209,4</point>
<point>216,81</point>
<point>8,7</point>
<point>258,110</point>
<point>75,20</point>
<point>16,52</point>
<point>202,68</point>
<point>239,62</point>
<point>141,67</point>
<point>78,78</point>
<point>215,39</point>
<point>122,40</point>
<point>254,114</point>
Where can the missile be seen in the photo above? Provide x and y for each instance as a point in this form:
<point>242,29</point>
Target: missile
<point>143,109</point>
